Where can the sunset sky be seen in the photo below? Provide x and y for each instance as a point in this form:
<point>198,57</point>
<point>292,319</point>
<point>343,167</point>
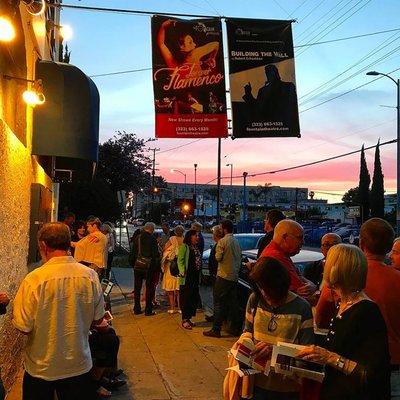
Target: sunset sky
<point>105,42</point>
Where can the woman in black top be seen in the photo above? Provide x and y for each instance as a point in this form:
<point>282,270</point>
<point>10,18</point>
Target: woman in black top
<point>189,263</point>
<point>356,353</point>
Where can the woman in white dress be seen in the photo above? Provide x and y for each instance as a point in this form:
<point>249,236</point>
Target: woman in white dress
<point>170,283</point>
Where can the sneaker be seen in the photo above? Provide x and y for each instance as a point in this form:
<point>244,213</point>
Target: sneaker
<point>212,333</point>
<point>112,384</point>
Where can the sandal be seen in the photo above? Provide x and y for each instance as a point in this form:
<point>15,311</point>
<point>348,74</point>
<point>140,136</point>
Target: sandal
<point>186,325</point>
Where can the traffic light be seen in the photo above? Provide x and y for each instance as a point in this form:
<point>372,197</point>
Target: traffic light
<point>186,208</point>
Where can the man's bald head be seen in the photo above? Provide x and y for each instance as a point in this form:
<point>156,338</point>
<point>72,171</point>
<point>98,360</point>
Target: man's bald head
<point>329,240</point>
<point>289,235</point>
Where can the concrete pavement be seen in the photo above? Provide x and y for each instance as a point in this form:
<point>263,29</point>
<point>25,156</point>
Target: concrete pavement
<point>163,361</point>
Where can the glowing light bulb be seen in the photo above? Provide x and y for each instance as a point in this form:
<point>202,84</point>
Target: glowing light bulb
<point>7,30</point>
<point>66,32</point>
<point>32,98</point>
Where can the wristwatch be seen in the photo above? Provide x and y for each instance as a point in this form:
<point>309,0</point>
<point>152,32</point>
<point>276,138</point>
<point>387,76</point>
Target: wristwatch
<point>340,363</point>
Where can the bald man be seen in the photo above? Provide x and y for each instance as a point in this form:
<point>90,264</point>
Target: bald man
<point>287,241</point>
<point>315,271</point>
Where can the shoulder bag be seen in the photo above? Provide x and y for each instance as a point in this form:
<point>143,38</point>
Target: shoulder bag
<point>142,263</point>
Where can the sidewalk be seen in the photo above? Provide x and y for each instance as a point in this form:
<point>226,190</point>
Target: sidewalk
<point>163,361</point>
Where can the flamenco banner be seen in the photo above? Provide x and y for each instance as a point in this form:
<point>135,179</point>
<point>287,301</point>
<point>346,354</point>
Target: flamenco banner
<point>262,78</point>
<point>188,78</point>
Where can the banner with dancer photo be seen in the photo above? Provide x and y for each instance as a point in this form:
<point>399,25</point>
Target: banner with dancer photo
<point>262,78</point>
<point>188,78</point>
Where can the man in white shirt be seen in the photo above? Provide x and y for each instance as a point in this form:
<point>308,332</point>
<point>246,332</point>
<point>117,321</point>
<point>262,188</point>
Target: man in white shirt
<point>55,307</point>
<point>92,249</point>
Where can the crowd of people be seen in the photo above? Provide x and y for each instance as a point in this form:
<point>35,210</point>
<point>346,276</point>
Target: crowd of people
<point>342,309</point>
<point>354,331</point>
<point>71,348</point>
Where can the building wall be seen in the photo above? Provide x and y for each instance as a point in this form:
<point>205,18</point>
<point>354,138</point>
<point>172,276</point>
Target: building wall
<point>19,170</point>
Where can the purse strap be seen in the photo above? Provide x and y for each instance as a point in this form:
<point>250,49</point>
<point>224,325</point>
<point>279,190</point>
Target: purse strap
<point>140,248</point>
<point>254,316</point>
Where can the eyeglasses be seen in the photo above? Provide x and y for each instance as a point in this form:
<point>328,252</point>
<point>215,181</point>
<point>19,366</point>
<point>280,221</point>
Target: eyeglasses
<point>273,324</point>
<point>328,245</point>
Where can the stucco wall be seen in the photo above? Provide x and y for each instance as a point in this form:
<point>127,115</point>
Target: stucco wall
<point>18,170</point>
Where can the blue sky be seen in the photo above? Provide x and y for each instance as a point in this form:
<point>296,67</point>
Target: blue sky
<point>105,42</point>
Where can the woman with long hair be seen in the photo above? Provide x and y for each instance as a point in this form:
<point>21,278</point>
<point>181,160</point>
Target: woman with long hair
<point>189,264</point>
<point>170,283</point>
<point>186,50</point>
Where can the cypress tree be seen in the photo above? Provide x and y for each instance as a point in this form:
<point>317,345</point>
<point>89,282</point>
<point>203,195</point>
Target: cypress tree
<point>377,198</point>
<point>363,187</point>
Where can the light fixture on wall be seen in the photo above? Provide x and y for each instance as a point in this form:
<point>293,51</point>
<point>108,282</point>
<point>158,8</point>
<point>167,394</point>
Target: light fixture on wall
<point>33,96</point>
<point>65,31</point>
<point>7,30</point>
<point>35,7</point>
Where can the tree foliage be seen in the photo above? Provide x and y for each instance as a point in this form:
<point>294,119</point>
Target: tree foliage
<point>363,186</point>
<point>123,163</point>
<point>351,197</point>
<point>377,197</point>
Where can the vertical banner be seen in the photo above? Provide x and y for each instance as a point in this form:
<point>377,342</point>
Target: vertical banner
<point>188,78</point>
<point>262,78</point>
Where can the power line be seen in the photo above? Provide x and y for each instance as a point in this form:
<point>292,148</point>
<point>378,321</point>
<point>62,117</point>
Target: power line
<point>298,46</point>
<point>340,23</point>
<point>368,55</point>
<point>178,147</point>
<point>363,69</point>
<point>344,93</point>
<point>321,19</point>
<point>312,11</point>
<point>307,164</point>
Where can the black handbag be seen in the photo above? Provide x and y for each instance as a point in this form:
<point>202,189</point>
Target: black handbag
<point>173,267</point>
<point>142,263</point>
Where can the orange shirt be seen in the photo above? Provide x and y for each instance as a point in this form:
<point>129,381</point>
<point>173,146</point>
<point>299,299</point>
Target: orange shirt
<point>383,287</point>
<point>274,251</point>
<point>325,309</point>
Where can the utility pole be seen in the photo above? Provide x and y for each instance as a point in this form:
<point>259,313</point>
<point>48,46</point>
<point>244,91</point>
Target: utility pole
<point>195,189</point>
<point>153,173</point>
<point>244,198</point>
<point>219,182</point>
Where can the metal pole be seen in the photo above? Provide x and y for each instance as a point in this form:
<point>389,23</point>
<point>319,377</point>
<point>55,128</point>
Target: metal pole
<point>219,181</point>
<point>195,189</point>
<point>398,160</point>
<point>244,197</point>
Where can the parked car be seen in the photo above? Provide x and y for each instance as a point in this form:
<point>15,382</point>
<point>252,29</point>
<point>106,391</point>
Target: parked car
<point>247,241</point>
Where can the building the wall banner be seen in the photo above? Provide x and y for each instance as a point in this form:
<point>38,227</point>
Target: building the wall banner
<point>188,78</point>
<point>262,78</point>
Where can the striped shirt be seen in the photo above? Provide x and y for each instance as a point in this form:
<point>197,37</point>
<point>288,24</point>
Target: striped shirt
<point>292,322</point>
